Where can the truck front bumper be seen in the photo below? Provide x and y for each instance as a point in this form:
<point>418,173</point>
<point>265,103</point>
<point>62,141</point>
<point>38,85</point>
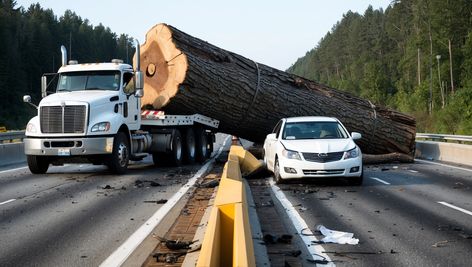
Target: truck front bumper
<point>81,146</point>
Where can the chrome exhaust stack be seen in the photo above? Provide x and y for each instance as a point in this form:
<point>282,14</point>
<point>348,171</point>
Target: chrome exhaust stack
<point>64,55</point>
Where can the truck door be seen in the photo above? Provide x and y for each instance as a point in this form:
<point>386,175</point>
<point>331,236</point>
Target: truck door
<point>131,108</point>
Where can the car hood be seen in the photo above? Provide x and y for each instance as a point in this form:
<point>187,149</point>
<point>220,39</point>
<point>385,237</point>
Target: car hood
<point>319,145</point>
<point>92,97</point>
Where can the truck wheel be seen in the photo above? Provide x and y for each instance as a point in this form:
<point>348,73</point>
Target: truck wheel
<point>189,146</point>
<point>176,154</point>
<point>201,144</point>
<point>37,164</point>
<point>120,156</point>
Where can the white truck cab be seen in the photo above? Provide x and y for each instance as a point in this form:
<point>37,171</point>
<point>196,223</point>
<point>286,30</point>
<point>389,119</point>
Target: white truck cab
<point>94,115</point>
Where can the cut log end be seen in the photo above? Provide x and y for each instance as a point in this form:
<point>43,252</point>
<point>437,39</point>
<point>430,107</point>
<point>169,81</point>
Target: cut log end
<point>164,66</point>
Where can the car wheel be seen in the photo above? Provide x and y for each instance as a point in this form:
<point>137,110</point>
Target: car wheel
<point>356,181</point>
<point>278,179</point>
<point>264,157</point>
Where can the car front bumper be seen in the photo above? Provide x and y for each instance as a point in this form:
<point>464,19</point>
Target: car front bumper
<point>82,146</point>
<point>308,169</point>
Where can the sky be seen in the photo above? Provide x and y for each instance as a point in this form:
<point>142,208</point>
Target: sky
<point>275,33</point>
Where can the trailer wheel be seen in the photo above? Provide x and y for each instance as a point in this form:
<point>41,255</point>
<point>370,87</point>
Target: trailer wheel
<point>119,159</point>
<point>176,154</point>
<point>189,146</point>
<point>201,144</point>
<point>37,164</point>
<point>210,145</point>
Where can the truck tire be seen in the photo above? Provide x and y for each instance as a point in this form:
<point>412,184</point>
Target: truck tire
<point>37,164</point>
<point>119,158</point>
<point>176,155</point>
<point>189,146</point>
<point>201,142</point>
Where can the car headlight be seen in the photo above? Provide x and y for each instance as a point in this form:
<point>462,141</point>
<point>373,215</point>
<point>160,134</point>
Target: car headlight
<point>350,154</point>
<point>30,128</point>
<point>101,127</point>
<point>290,154</point>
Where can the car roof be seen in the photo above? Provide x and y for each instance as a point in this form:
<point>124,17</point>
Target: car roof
<point>311,118</point>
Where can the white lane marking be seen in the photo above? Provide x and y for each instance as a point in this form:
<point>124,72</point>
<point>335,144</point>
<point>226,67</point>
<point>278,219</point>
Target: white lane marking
<point>380,180</point>
<point>444,165</point>
<point>413,171</point>
<point>8,201</point>
<point>455,207</point>
<point>13,169</point>
<point>119,256</point>
<point>317,251</point>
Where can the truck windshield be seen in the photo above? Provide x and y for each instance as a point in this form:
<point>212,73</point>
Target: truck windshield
<point>88,80</point>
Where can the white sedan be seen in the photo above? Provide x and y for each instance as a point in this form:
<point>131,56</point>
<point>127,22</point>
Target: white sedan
<point>313,147</point>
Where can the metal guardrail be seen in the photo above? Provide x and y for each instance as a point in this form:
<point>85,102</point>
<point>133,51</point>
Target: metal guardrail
<point>444,137</point>
<point>9,137</point>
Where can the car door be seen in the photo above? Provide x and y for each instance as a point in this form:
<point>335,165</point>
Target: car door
<point>271,146</point>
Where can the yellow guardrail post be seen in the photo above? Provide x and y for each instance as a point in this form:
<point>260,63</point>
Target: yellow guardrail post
<point>228,239</point>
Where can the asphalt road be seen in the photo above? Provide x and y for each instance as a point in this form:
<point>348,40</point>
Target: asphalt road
<point>403,215</point>
<point>77,215</point>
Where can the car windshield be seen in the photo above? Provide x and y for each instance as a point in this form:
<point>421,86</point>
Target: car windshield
<point>313,130</point>
<point>89,80</point>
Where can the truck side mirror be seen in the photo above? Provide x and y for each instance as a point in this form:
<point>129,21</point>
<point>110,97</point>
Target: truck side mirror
<point>27,99</point>
<point>139,81</point>
<point>44,86</point>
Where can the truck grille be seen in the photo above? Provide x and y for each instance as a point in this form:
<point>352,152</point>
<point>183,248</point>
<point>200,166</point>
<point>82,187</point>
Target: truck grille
<point>58,119</point>
<point>323,157</point>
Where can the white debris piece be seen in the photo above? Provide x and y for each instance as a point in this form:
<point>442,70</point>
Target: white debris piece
<point>332,236</point>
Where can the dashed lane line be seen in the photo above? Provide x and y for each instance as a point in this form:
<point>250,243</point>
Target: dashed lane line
<point>455,207</point>
<point>316,251</point>
<point>119,256</point>
<point>380,180</point>
<point>8,201</point>
<point>444,165</point>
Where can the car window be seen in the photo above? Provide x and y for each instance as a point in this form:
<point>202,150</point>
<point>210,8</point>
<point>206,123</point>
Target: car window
<point>277,129</point>
<point>313,130</point>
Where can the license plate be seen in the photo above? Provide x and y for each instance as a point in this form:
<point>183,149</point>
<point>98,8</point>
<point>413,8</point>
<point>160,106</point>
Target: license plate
<point>63,152</point>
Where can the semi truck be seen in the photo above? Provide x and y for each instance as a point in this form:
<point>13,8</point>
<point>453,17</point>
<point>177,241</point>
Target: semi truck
<point>94,115</point>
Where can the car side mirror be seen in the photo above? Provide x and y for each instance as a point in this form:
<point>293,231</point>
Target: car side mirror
<point>356,135</point>
<point>271,137</point>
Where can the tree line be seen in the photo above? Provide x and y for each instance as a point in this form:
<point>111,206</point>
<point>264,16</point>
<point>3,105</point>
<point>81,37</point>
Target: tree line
<point>415,56</point>
<point>30,41</point>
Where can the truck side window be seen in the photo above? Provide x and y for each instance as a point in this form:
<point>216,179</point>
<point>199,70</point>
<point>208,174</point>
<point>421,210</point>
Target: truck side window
<point>128,83</point>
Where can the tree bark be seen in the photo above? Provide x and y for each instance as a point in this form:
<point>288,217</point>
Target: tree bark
<point>185,75</point>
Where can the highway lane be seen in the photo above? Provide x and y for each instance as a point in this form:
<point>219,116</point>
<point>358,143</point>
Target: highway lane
<point>403,215</point>
<point>77,215</point>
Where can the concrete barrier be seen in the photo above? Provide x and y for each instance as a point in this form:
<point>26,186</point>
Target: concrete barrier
<point>228,239</point>
<point>457,153</point>
<point>12,153</point>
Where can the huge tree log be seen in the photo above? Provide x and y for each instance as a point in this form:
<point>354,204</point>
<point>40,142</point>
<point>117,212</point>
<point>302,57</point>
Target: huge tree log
<point>185,75</point>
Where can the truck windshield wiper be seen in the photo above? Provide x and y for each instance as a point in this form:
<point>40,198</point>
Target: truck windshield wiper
<point>64,90</point>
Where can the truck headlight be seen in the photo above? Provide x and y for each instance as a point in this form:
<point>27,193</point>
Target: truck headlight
<point>30,128</point>
<point>101,127</point>
<point>290,154</point>
<point>350,154</point>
